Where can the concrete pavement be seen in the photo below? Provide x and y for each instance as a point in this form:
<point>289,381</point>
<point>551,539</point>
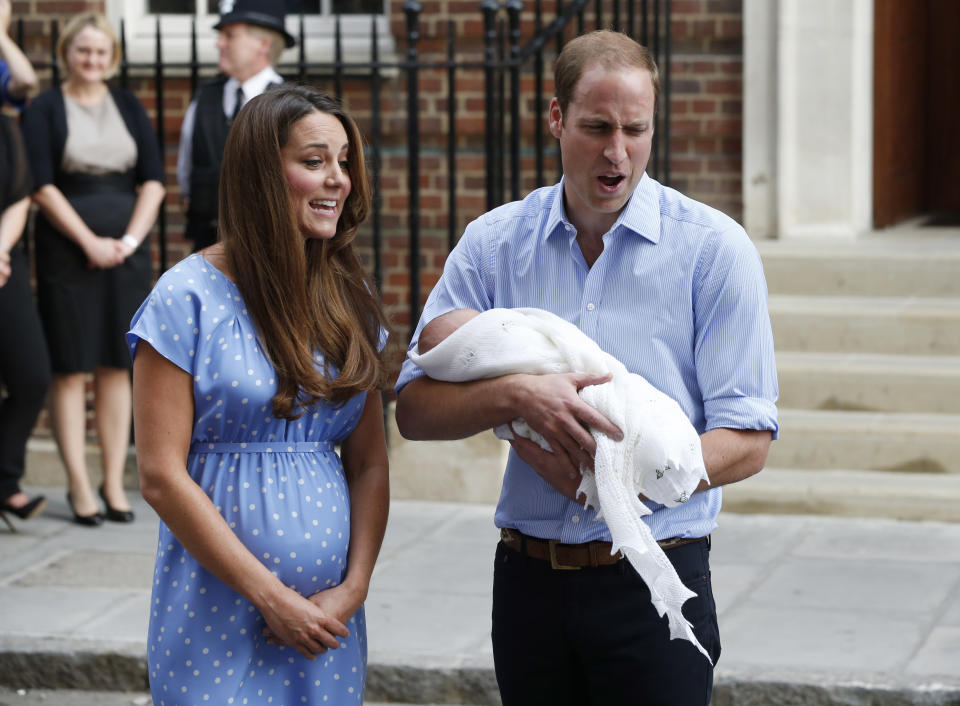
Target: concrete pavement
<point>813,610</point>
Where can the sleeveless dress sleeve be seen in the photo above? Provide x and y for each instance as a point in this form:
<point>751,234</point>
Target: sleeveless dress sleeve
<point>169,318</point>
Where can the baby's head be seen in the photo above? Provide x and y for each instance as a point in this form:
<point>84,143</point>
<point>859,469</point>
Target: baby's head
<point>442,326</point>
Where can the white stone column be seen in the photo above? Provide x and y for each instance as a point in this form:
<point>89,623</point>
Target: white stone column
<point>760,117</point>
<point>821,113</point>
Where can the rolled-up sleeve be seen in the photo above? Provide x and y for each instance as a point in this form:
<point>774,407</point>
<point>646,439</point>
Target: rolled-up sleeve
<point>735,362</point>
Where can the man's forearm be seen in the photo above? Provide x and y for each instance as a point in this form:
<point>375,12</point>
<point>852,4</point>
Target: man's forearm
<point>732,455</point>
<point>430,409</point>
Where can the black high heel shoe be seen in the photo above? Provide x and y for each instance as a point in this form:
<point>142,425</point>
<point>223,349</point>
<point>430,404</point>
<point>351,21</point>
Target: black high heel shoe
<point>94,520</point>
<point>113,514</point>
<point>24,512</point>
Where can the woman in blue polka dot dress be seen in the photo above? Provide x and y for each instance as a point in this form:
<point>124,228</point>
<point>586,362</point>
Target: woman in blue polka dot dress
<point>253,359</point>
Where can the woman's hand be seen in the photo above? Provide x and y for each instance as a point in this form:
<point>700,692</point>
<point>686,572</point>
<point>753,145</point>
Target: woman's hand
<point>338,603</point>
<point>302,624</point>
<point>104,253</point>
<point>341,601</point>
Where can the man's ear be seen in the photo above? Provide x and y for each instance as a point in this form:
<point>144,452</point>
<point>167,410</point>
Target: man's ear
<point>555,119</point>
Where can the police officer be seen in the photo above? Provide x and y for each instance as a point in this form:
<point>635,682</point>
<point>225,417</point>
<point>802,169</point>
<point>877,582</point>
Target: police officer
<point>252,37</point>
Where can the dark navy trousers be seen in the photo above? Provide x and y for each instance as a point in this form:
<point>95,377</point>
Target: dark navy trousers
<point>591,637</point>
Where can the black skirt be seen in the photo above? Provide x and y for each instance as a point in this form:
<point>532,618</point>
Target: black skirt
<point>86,311</point>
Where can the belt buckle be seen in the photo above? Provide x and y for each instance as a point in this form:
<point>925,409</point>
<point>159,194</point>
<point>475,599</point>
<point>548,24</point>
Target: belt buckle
<point>554,564</point>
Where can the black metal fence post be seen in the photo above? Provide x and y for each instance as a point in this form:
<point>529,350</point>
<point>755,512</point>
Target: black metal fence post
<point>665,86</point>
<point>375,129</point>
<point>337,60</point>
<point>489,9</point>
<point>161,140</point>
<point>559,165</point>
<point>451,137</point>
<point>412,9</point>
<point>538,93</point>
<point>124,64</point>
<point>514,7</point>
<point>501,113</point>
<point>194,58</point>
<point>653,165</point>
<point>302,52</point>
<point>54,59</point>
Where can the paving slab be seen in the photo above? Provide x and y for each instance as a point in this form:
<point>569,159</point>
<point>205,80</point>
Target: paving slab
<point>812,609</point>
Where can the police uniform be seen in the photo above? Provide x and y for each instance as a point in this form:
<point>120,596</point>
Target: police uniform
<point>208,118</point>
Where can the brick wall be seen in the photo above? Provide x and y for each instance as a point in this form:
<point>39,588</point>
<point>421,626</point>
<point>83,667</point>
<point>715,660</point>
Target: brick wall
<point>707,102</point>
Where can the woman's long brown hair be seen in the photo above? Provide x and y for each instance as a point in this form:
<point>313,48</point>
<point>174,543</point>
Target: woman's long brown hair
<point>307,297</point>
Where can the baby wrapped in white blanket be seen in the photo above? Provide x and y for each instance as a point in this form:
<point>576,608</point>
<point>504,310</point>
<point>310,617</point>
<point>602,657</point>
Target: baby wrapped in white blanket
<point>659,457</point>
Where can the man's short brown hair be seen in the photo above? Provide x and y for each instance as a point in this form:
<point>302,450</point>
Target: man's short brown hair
<point>612,50</point>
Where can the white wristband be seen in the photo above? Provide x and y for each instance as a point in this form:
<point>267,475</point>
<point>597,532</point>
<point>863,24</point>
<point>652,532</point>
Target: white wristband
<point>130,241</point>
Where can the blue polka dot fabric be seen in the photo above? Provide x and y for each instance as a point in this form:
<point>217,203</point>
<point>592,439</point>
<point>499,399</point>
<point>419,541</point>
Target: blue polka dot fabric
<point>280,487</point>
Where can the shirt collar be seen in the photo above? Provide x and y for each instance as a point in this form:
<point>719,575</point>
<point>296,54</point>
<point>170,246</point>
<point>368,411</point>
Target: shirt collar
<point>641,215</point>
<point>255,85</point>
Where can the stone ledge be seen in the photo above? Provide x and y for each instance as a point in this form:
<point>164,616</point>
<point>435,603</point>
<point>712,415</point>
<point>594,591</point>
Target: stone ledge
<point>847,493</point>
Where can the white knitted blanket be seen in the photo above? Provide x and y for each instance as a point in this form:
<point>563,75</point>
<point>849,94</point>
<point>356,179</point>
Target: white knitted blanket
<point>659,456</point>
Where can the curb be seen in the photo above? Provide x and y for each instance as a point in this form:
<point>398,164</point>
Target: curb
<point>46,664</point>
<point>52,664</point>
<point>762,687</point>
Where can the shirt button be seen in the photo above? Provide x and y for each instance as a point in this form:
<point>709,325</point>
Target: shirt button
<point>568,227</point>
<point>591,306</point>
<point>575,519</point>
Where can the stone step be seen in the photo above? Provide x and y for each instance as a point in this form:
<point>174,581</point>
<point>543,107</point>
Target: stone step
<point>874,266</point>
<point>876,441</point>
<point>890,325</point>
<point>923,450</point>
<point>869,382</point>
<point>900,496</point>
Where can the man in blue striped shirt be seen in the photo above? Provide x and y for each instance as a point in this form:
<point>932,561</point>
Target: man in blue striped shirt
<point>672,288</point>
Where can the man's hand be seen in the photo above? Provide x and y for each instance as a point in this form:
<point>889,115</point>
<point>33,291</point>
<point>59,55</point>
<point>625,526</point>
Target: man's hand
<point>555,468</point>
<point>552,407</point>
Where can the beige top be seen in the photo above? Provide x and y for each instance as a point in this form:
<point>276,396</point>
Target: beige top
<point>98,141</point>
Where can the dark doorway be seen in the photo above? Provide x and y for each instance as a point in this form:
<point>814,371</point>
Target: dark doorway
<point>916,146</point>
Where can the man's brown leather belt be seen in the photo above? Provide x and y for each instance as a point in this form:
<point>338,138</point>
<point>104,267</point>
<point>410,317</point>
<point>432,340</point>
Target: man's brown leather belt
<point>574,556</point>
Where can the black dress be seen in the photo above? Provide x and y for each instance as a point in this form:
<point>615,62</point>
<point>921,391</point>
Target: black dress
<point>86,311</point>
<point>24,364</point>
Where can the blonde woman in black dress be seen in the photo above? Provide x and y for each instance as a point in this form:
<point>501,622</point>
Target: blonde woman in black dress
<point>98,182</point>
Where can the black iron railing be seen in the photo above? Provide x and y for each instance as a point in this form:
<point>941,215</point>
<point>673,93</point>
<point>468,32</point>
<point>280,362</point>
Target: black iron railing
<point>503,59</point>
